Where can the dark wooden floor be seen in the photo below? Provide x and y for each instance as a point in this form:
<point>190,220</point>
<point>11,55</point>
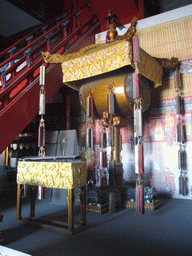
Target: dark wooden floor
<point>166,231</point>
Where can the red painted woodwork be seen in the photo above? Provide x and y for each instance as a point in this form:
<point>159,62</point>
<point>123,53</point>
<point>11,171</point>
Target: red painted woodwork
<point>19,102</point>
<point>125,10</point>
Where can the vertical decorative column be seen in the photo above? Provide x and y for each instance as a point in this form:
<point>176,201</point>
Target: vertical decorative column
<point>117,122</point>
<point>138,130</point>
<point>103,157</point>
<point>113,123</point>
<point>111,140</point>
<point>41,134</point>
<point>89,136</point>
<point>180,133</point>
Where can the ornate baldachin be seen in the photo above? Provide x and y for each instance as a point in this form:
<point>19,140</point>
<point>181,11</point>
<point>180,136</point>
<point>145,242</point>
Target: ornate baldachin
<point>57,58</point>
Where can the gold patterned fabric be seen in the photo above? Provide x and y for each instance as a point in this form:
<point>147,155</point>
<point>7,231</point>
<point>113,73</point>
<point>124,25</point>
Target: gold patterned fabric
<point>150,68</point>
<point>66,175</point>
<point>108,58</point>
<point>98,61</point>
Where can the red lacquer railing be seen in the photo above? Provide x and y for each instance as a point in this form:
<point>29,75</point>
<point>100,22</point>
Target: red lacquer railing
<point>58,39</point>
<point>19,94</point>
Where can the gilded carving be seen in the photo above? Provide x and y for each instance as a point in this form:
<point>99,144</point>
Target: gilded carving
<point>168,63</point>
<point>130,32</point>
<point>57,58</point>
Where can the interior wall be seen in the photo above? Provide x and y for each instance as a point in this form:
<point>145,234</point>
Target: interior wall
<point>125,11</point>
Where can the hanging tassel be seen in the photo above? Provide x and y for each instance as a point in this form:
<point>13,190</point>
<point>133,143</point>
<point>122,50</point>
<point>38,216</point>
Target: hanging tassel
<point>90,164</point>
<point>178,105</point>
<point>138,123</point>
<point>179,159</point>
<point>111,103</point>
<point>136,50</point>
<point>181,185</point>
<point>177,79</point>
<point>111,136</point>
<point>101,159</point>
<point>140,201</point>
<point>183,133</point>
<point>42,104</point>
<point>136,159</point>
<point>41,134</point>
<point>135,86</point>
<point>90,138</point>
<point>103,139</point>
<point>179,129</point>
<point>182,106</point>
<point>90,106</point>
<point>137,91</point>
<point>104,159</point>
<point>184,192</point>
<point>140,159</point>
<point>41,137</point>
<point>42,75</point>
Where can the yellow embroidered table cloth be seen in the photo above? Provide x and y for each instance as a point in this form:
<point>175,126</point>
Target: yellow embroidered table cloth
<point>65,175</point>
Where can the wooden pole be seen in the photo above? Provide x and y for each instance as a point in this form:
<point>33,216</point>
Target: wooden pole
<point>70,199</point>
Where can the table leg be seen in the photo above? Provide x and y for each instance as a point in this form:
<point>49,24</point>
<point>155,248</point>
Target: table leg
<point>83,205</point>
<point>70,199</point>
<point>19,202</point>
<point>32,201</point>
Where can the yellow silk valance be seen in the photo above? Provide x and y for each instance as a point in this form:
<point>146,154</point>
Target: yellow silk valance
<point>108,58</point>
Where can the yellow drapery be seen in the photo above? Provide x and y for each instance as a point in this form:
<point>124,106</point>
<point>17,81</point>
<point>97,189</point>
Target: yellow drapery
<point>108,58</point>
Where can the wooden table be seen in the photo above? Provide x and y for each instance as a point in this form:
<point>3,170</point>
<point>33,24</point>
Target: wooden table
<point>53,174</point>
